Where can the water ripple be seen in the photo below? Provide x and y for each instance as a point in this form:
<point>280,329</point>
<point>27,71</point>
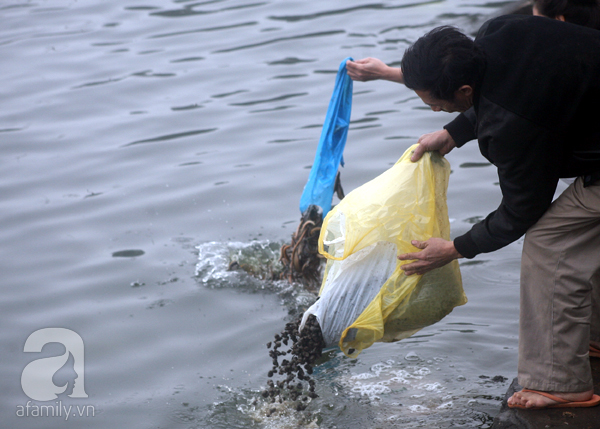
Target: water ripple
<point>281,39</point>
<point>227,94</point>
<point>136,8</point>
<point>171,136</point>
<point>289,61</point>
<point>100,82</point>
<point>188,107</point>
<point>183,60</point>
<point>404,27</point>
<point>148,73</point>
<point>270,100</point>
<point>145,73</point>
<point>131,253</point>
<point>289,76</point>
<point>281,141</point>
<point>190,11</point>
<point>363,120</point>
<point>204,30</point>
<point>274,109</point>
<point>375,6</point>
<point>15,6</point>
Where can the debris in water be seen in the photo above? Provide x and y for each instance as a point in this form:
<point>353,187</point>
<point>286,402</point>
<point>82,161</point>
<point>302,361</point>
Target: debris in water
<point>301,259</point>
<point>295,383</point>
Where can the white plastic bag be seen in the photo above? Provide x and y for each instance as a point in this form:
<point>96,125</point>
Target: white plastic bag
<point>365,296</point>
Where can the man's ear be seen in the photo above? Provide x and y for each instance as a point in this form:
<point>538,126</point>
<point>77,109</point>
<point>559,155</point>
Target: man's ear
<point>560,18</point>
<point>466,90</point>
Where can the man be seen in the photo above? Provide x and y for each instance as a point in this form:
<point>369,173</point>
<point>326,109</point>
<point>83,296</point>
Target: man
<point>534,86</point>
<point>581,12</point>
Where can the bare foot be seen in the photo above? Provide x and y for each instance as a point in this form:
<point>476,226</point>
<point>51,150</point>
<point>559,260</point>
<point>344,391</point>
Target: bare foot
<point>535,400</point>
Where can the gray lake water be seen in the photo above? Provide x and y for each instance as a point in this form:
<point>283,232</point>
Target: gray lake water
<point>144,143</point>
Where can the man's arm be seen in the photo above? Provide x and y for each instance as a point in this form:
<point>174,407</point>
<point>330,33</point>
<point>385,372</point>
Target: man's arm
<point>373,69</point>
<point>463,128</point>
<point>455,134</point>
<point>528,158</point>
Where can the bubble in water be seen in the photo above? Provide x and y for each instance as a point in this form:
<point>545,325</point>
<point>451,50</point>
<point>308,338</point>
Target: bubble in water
<point>432,387</point>
<point>412,357</point>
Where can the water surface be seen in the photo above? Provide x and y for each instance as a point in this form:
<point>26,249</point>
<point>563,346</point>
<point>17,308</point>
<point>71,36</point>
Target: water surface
<point>145,143</point>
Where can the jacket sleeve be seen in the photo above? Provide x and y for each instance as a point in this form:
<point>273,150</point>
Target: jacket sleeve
<point>527,157</point>
<point>463,128</point>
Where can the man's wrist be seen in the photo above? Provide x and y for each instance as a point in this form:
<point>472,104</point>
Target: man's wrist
<point>400,76</point>
<point>456,253</point>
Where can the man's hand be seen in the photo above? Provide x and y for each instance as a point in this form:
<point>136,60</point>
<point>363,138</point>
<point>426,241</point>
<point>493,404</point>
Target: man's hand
<point>436,253</point>
<point>441,141</point>
<point>372,69</point>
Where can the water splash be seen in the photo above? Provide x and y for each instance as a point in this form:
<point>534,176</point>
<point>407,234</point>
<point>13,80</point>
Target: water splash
<point>221,264</point>
<point>251,267</point>
<point>242,408</point>
<point>412,390</point>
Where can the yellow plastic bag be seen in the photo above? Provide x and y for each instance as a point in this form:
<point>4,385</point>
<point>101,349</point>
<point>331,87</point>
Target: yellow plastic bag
<point>365,297</point>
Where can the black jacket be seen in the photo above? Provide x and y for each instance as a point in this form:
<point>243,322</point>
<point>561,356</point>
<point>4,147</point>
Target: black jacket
<point>534,115</point>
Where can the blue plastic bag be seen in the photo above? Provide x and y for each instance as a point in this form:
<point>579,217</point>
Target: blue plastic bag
<point>321,180</point>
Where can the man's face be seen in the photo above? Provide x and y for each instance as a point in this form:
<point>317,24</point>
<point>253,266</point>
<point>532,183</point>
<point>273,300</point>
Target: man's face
<point>462,101</point>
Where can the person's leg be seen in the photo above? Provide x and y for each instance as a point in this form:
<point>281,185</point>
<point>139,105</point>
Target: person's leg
<point>558,264</point>
<point>595,325</point>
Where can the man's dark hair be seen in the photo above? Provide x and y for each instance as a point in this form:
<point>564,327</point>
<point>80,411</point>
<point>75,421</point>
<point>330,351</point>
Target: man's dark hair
<point>580,12</point>
<point>441,62</point>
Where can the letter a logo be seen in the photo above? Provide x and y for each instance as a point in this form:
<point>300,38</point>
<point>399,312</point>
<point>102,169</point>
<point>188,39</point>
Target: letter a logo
<point>36,379</point>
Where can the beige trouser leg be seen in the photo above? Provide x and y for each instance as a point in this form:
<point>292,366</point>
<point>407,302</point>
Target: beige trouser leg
<point>560,293</point>
<point>595,325</point>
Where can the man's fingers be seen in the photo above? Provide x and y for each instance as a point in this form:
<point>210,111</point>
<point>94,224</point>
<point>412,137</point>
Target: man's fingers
<point>411,256</point>
<point>418,152</point>
<point>419,244</point>
<point>408,256</point>
<point>417,266</point>
<point>410,269</point>
<point>414,255</point>
<point>436,253</point>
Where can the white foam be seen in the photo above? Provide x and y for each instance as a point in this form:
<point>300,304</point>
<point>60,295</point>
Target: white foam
<point>413,387</point>
<point>418,408</point>
<point>432,387</point>
<point>373,391</point>
<point>280,416</point>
